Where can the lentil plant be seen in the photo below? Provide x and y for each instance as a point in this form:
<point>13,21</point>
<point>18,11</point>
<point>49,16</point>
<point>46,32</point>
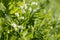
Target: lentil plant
<point>29,19</point>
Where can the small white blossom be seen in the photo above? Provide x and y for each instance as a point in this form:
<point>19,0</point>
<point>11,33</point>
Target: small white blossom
<point>30,9</point>
<point>21,7</point>
<point>34,3</point>
<point>25,6</point>
<point>36,9</point>
<point>16,14</point>
<point>20,26</point>
<point>14,25</point>
<point>22,17</point>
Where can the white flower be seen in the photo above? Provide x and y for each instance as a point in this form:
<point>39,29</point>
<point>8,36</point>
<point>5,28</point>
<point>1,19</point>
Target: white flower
<point>14,25</point>
<point>34,3</point>
<point>36,9</point>
<point>20,26</point>
<point>16,14</point>
<point>25,6</point>
<point>22,17</point>
<point>21,7</point>
<point>30,9</point>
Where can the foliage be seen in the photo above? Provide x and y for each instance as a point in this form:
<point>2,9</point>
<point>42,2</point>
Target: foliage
<point>29,20</point>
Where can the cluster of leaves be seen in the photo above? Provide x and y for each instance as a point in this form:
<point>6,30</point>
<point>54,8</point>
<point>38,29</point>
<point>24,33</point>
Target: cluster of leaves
<point>29,20</point>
